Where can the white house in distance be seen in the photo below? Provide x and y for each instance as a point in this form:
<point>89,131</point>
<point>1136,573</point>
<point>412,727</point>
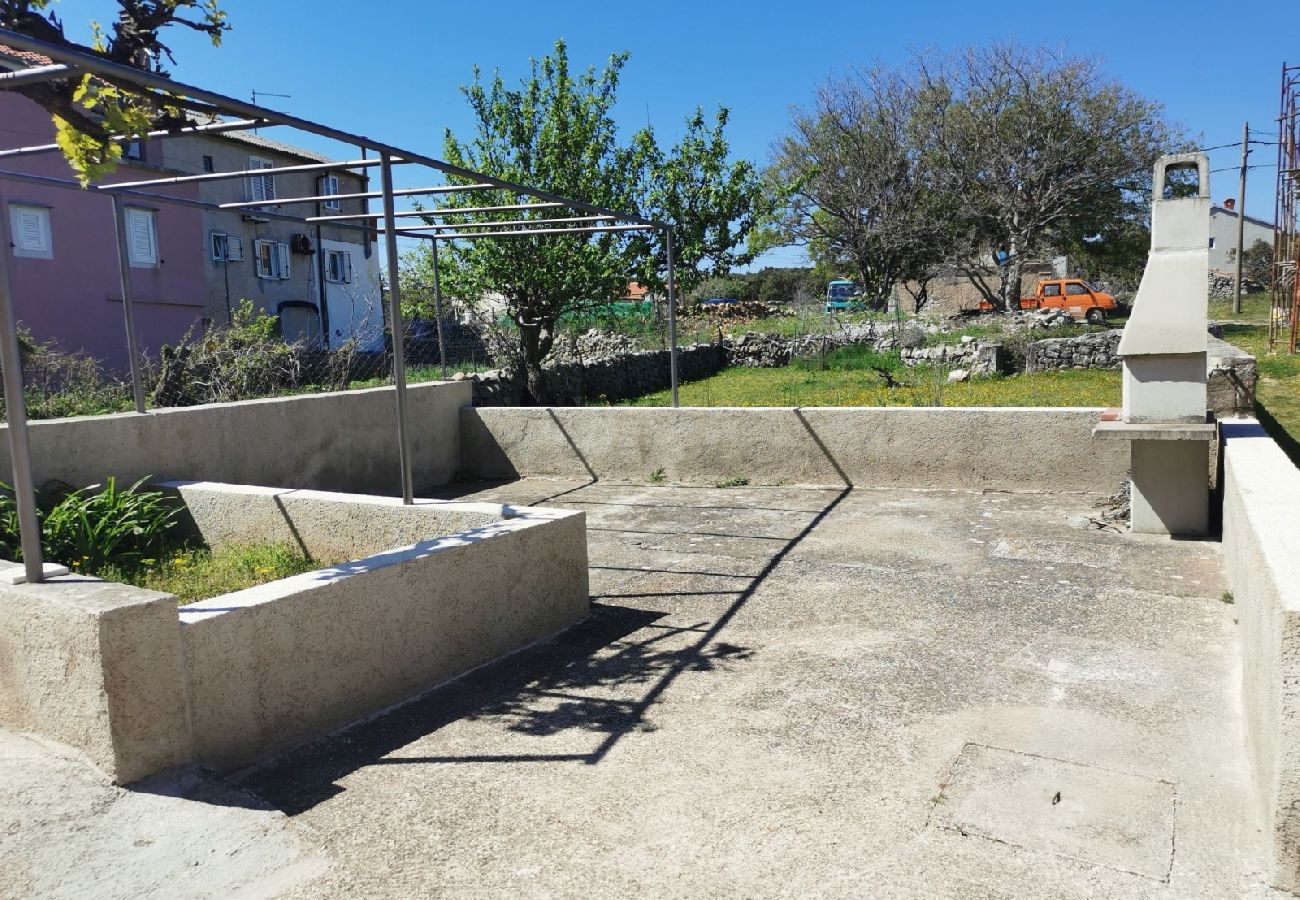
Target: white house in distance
<point>1223,234</point>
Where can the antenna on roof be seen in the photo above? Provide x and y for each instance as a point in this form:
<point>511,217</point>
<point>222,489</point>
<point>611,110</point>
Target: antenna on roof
<point>257,93</point>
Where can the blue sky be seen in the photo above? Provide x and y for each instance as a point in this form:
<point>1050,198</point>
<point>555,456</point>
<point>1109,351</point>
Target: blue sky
<point>391,68</point>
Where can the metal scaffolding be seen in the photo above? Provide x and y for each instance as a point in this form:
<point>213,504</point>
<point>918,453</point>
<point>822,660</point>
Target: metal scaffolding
<point>1284,322</point>
<point>68,60</point>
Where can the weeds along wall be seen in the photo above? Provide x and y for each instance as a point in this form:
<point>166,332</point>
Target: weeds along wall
<point>337,441</point>
<point>607,379</point>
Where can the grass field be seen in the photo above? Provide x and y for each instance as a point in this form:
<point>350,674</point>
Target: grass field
<point>1277,396</point>
<point>851,377</point>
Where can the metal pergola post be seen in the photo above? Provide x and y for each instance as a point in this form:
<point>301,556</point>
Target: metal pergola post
<point>161,87</point>
<point>158,88</point>
<point>20,453</point>
<point>128,299</point>
<point>672,316</point>
<point>395,318</point>
<point>437,310</point>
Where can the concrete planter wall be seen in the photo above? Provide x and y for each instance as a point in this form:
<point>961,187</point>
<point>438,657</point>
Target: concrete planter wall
<point>432,591</point>
<point>1261,550</point>
<point>336,441</point>
<point>1013,449</point>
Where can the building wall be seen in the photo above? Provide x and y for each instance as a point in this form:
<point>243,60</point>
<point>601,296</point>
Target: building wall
<point>1223,236</point>
<point>230,282</point>
<point>75,297</point>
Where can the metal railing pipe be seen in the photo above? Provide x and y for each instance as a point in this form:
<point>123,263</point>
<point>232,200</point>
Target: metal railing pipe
<point>364,195</point>
<point>20,452</point>
<point>437,311</point>
<point>672,317</point>
<point>399,333</point>
<point>438,213</point>
<point>128,299</point>
<point>520,232</point>
<point>120,73</point>
<point>34,75</point>
<point>213,128</point>
<point>251,173</point>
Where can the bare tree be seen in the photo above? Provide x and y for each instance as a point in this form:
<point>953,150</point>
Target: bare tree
<point>853,183</point>
<point>1026,142</point>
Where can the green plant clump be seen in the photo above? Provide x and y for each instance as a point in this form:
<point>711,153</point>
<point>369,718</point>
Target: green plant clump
<point>90,528</point>
<point>197,573</point>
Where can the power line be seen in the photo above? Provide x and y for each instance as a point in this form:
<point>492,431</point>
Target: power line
<point>1238,168</point>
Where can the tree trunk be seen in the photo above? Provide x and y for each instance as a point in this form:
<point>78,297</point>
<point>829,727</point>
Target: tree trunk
<point>535,342</point>
<point>1012,276</point>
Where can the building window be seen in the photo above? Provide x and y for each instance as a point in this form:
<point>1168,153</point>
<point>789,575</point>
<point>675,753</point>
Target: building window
<point>261,187</point>
<point>134,150</point>
<point>142,237</point>
<point>272,258</point>
<point>338,266</point>
<point>329,186</point>
<point>29,228</point>
<point>208,165</point>
<point>227,247</point>
<point>1211,243</point>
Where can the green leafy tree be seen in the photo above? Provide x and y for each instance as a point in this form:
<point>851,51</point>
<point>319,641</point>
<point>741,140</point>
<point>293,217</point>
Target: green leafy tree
<point>94,114</point>
<point>713,203</point>
<point>556,131</point>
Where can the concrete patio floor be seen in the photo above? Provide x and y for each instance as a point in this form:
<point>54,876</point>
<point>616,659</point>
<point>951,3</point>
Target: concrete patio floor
<point>796,692</point>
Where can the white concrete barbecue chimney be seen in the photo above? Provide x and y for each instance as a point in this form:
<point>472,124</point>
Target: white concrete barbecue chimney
<point>1164,347</point>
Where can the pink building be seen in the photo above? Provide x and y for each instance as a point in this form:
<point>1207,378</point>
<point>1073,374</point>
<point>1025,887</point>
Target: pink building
<point>64,259</point>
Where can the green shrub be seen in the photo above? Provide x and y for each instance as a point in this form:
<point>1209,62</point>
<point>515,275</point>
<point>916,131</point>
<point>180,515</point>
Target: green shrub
<point>91,528</point>
<point>58,383</point>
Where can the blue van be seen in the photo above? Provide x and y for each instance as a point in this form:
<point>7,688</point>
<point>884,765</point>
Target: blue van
<point>842,295</point>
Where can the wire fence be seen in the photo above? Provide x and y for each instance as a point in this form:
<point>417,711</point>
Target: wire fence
<point>251,352</point>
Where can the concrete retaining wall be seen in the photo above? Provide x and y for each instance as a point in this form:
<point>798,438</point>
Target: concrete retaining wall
<point>337,441</point>
<point>1016,449</point>
<point>98,666</point>
<point>1261,549</point>
<point>140,687</point>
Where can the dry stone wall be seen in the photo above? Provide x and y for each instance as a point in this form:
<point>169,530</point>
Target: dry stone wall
<point>1096,350</point>
<point>610,379</point>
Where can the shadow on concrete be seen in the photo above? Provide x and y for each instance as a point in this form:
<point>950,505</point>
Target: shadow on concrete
<point>299,779</point>
<point>541,691</point>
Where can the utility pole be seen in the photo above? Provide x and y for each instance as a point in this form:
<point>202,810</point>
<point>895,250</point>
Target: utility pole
<point>1241,218</point>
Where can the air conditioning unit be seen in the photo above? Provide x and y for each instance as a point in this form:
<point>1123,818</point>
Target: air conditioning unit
<point>300,243</point>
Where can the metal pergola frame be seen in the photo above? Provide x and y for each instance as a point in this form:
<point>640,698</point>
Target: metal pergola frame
<point>70,61</point>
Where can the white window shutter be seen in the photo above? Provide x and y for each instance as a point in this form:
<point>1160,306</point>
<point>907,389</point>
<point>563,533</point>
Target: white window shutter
<point>261,187</point>
<point>142,237</point>
<point>31,230</point>
<point>260,259</point>
<point>234,248</point>
<point>285,268</point>
<point>347,267</point>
